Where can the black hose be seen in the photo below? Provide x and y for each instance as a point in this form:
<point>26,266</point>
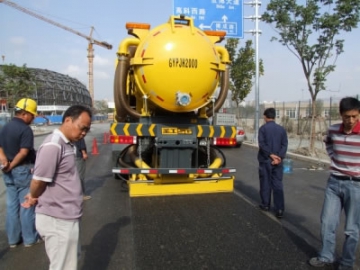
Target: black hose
<point>122,105</point>
<point>213,154</point>
<point>121,163</point>
<point>223,93</point>
<point>222,154</point>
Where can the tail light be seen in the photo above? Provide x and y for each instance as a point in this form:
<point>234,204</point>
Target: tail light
<point>122,139</point>
<point>224,141</point>
<point>241,132</point>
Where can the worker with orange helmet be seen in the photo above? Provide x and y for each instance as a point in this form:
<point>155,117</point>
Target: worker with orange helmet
<point>17,158</point>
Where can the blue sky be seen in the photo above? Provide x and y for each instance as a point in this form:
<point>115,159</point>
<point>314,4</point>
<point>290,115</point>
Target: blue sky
<point>31,41</point>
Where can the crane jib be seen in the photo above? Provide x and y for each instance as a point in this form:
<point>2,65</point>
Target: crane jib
<point>87,37</point>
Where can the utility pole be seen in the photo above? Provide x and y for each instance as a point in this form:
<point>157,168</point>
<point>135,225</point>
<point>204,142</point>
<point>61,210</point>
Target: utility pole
<point>256,32</point>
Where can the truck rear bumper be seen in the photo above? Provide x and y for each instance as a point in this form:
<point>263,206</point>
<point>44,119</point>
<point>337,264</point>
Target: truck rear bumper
<point>152,188</point>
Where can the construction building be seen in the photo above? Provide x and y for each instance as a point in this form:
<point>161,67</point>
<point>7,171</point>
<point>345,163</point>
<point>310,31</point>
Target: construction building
<point>55,92</point>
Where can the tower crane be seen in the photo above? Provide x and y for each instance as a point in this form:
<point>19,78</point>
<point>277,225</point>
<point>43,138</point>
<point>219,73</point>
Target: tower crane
<point>90,49</point>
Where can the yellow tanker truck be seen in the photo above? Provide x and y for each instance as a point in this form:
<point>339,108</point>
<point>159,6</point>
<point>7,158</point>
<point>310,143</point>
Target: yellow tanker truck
<point>165,92</point>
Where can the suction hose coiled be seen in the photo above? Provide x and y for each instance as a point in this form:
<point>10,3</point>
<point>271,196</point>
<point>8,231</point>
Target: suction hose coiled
<point>222,95</point>
<point>120,85</point>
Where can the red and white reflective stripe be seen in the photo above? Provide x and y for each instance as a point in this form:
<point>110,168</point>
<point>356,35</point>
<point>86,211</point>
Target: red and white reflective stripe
<point>121,171</point>
<point>172,171</point>
<point>204,171</point>
<point>149,171</point>
<point>228,171</point>
<point>177,171</point>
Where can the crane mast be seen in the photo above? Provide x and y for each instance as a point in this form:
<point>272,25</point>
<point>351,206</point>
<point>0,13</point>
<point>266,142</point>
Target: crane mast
<point>91,41</point>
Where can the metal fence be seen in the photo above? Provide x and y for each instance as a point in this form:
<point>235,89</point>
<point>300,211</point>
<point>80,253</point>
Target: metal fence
<point>295,116</point>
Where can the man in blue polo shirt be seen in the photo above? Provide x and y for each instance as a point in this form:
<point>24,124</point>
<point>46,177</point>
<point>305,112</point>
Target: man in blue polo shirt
<point>17,157</point>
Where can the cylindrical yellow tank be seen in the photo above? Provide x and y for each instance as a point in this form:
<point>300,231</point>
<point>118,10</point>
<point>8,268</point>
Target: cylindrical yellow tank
<point>177,66</point>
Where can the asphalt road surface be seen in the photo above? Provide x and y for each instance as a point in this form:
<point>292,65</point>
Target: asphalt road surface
<point>215,231</point>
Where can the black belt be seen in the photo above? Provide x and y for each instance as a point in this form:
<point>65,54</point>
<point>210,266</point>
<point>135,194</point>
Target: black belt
<point>345,177</point>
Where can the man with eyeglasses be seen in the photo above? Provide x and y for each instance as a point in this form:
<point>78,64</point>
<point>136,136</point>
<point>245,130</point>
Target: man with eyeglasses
<point>17,158</point>
<point>56,189</point>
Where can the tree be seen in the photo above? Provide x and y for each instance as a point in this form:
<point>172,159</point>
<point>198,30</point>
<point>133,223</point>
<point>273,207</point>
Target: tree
<point>334,111</point>
<point>101,106</point>
<point>311,33</point>
<point>243,69</point>
<point>319,108</point>
<point>16,83</point>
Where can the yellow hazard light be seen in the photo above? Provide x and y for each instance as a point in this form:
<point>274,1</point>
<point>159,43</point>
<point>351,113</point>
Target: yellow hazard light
<point>130,25</point>
<point>215,33</point>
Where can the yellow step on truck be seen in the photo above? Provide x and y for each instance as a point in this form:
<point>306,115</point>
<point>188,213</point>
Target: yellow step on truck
<point>164,92</point>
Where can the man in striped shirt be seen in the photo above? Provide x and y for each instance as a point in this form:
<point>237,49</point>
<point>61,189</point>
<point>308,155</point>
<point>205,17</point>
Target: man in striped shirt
<point>343,188</point>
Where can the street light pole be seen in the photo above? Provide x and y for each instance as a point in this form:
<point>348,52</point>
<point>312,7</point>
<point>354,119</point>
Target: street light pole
<point>257,32</point>
<point>36,91</point>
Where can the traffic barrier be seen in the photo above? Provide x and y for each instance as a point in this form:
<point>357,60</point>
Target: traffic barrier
<point>106,138</point>
<point>95,150</point>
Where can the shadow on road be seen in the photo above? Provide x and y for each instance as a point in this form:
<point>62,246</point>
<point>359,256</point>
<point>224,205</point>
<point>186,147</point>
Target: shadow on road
<point>103,245</point>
